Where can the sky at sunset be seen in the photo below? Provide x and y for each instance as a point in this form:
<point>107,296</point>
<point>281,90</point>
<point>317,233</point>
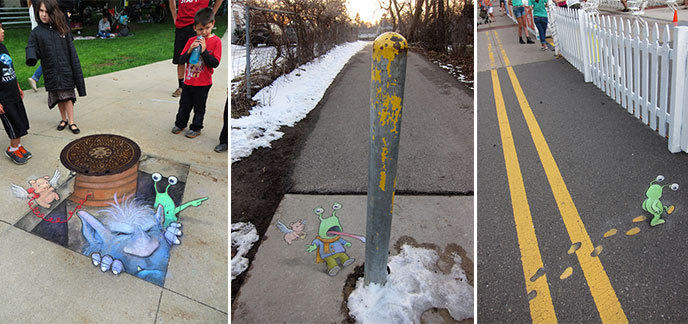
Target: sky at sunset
<point>369,10</point>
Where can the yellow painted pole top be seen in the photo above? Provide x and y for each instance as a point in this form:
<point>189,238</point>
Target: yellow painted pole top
<point>389,45</point>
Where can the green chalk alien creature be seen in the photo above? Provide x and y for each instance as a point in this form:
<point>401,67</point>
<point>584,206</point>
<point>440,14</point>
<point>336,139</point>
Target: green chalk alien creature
<point>328,244</point>
<point>164,199</point>
<point>652,204</point>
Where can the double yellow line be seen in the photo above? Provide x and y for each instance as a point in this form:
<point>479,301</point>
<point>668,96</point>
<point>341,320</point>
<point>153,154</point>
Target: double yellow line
<point>541,307</point>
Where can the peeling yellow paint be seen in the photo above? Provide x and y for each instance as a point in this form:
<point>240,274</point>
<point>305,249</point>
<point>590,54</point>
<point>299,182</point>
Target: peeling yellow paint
<point>391,112</point>
<point>383,177</point>
<point>383,47</point>
<point>376,74</point>
<point>383,159</point>
<point>388,46</point>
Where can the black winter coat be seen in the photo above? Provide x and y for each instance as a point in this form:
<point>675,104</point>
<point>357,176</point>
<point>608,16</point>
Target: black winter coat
<point>61,67</point>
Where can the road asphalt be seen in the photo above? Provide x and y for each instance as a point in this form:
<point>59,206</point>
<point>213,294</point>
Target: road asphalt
<point>607,159</point>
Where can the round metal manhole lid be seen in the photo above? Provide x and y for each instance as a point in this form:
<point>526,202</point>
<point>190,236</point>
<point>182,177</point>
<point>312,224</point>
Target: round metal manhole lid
<point>102,154</point>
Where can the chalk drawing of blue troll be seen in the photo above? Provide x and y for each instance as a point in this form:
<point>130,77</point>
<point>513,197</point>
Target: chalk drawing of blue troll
<point>130,239</point>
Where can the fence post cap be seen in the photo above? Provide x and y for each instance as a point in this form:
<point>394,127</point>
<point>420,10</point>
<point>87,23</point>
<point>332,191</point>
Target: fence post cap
<point>389,45</point>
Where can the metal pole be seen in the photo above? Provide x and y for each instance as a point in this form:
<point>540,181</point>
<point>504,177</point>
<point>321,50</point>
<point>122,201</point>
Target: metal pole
<point>247,71</point>
<point>386,97</point>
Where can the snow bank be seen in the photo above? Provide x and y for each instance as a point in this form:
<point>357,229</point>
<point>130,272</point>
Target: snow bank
<point>243,236</point>
<point>414,285</point>
<point>288,100</point>
<point>456,72</point>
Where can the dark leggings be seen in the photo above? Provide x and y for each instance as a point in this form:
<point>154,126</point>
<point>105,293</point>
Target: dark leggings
<point>193,99</point>
<point>541,24</point>
<point>223,132</point>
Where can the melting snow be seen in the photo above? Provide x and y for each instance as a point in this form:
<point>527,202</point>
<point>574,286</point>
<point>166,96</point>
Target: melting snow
<point>288,100</point>
<point>414,285</point>
<point>243,236</point>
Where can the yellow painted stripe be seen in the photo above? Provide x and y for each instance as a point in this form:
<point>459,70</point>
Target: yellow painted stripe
<point>541,307</point>
<point>600,287</point>
<point>501,49</point>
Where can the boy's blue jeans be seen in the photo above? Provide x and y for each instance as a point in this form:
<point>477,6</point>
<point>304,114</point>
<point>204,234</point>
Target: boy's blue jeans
<point>37,75</point>
<point>103,34</point>
<point>541,24</point>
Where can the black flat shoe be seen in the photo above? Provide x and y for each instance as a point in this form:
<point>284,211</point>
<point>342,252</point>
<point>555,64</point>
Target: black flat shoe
<point>74,129</point>
<point>62,125</point>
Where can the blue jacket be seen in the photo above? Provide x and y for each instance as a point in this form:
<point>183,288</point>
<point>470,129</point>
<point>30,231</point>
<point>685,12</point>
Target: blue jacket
<point>335,247</point>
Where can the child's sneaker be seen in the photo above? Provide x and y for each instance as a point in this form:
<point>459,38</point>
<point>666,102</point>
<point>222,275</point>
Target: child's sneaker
<point>192,133</point>
<point>25,153</point>
<point>177,92</point>
<point>17,157</point>
<point>176,130</point>
<point>221,147</point>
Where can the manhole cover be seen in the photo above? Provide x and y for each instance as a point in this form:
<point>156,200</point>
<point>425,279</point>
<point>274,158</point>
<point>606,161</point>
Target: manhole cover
<point>98,155</point>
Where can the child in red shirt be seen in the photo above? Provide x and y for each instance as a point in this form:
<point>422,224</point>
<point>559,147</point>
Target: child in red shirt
<point>198,78</point>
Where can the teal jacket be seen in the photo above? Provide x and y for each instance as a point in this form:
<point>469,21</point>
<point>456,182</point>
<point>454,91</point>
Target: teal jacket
<point>539,7</point>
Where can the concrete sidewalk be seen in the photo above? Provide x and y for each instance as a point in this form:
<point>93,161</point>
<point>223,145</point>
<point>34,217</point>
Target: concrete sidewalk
<point>283,283</point>
<point>46,282</point>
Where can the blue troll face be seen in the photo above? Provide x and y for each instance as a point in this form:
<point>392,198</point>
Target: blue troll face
<point>130,239</point>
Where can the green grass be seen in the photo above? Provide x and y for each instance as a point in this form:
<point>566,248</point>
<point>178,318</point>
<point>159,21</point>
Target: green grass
<point>150,43</point>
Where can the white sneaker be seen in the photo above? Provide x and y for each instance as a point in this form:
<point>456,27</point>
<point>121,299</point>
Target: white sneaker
<point>334,271</point>
<point>32,83</point>
<point>348,262</point>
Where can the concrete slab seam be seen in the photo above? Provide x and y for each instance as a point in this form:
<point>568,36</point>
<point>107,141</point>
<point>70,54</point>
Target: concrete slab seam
<point>189,298</point>
<point>158,310</point>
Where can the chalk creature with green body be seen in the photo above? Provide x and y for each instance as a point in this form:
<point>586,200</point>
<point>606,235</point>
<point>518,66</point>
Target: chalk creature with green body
<point>652,204</point>
<point>164,199</point>
<point>329,246</point>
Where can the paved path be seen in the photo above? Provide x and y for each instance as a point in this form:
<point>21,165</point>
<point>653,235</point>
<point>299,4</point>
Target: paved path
<point>436,145</point>
<point>284,284</point>
<point>45,282</point>
<point>574,169</point>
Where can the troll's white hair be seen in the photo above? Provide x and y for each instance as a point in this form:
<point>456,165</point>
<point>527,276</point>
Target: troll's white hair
<point>128,210</point>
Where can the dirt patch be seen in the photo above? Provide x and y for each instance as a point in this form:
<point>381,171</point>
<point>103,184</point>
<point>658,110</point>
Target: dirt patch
<point>349,286</point>
<point>260,180</point>
<point>456,65</point>
<point>446,258</point>
<point>241,106</point>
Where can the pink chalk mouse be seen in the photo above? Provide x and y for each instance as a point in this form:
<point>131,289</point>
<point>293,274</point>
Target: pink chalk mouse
<point>41,190</point>
<point>293,232</point>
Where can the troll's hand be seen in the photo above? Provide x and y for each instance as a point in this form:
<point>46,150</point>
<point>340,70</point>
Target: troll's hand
<point>173,232</point>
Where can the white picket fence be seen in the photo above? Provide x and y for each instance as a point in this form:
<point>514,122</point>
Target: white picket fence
<point>642,67</point>
<point>617,5</point>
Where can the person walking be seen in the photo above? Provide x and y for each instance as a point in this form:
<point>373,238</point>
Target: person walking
<point>33,80</point>
<point>52,43</point>
<point>199,75</point>
<point>519,14</point>
<point>540,19</point>
<point>183,18</point>
<point>223,133</point>
<point>12,111</point>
